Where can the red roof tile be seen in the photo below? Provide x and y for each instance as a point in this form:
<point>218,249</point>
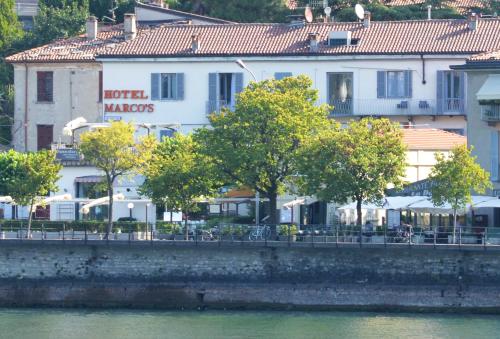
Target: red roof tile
<point>462,6</point>
<point>390,37</point>
<point>487,56</point>
<point>431,139</point>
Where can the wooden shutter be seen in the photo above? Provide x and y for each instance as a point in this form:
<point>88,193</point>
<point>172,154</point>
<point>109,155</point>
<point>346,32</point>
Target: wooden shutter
<point>155,86</point>
<point>49,86</point>
<point>440,83</point>
<point>494,156</point>
<point>408,84</point>
<point>238,82</point>
<point>180,86</point>
<point>212,87</point>
<point>45,135</point>
<point>100,86</point>
<point>281,75</point>
<point>44,86</point>
<point>381,86</point>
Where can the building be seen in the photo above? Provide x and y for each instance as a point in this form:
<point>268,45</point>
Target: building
<point>26,10</point>
<point>178,73</point>
<point>423,144</point>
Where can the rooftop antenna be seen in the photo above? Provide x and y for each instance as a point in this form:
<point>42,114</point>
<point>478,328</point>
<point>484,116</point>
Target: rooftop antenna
<point>360,12</point>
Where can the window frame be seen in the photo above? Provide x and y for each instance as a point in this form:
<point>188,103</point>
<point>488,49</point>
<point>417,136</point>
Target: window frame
<point>42,94</point>
<point>173,82</point>
<point>400,84</point>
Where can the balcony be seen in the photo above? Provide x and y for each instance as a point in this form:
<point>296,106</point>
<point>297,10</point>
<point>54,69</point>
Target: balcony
<point>24,9</point>
<point>215,106</point>
<point>490,113</point>
<point>393,107</point>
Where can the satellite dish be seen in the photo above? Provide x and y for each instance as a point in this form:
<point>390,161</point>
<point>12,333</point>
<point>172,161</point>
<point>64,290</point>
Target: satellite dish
<point>360,12</point>
<point>308,14</point>
<point>328,11</point>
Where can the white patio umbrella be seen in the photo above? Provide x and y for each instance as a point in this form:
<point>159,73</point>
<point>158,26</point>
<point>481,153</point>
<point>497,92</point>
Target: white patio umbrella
<point>46,201</point>
<point>101,201</point>
<point>74,124</point>
<point>6,199</point>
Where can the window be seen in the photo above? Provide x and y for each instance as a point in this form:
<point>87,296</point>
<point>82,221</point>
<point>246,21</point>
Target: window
<point>100,86</point>
<point>222,90</point>
<point>282,75</point>
<point>225,85</point>
<point>167,86</point>
<point>45,86</point>
<point>45,136</point>
<point>166,133</point>
<point>340,92</point>
<point>394,84</point>
<point>450,91</point>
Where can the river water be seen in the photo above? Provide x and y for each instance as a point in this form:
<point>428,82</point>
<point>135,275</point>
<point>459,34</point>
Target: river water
<point>50,323</point>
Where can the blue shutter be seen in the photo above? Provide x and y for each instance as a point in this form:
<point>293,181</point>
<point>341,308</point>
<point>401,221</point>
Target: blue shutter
<point>155,86</point>
<point>494,156</point>
<point>463,85</point>
<point>281,75</point>
<point>408,84</point>
<point>238,82</point>
<point>212,87</point>
<point>180,86</point>
<point>440,92</point>
<point>381,84</point>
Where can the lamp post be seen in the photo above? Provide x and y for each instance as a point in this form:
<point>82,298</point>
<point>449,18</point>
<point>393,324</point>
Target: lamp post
<point>242,65</point>
<point>130,206</point>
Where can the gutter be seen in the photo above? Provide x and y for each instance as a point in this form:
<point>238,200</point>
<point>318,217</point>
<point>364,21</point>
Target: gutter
<point>478,65</point>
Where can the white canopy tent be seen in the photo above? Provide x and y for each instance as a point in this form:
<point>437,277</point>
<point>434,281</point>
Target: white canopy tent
<point>389,203</point>
<point>101,201</point>
<point>427,206</point>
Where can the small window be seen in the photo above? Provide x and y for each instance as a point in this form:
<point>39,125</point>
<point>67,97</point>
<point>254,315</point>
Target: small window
<point>45,85</point>
<point>395,84</point>
<point>282,75</point>
<point>168,86</point>
<point>167,133</point>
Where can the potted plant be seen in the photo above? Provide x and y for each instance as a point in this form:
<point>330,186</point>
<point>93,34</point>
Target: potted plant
<point>288,233</point>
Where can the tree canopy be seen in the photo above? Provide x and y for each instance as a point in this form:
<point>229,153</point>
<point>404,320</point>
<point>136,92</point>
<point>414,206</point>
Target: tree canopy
<point>256,144</point>
<point>178,175</point>
<point>454,178</point>
<point>115,152</point>
<point>356,163</point>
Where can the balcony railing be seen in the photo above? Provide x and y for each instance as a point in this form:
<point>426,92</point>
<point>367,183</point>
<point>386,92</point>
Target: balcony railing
<point>490,113</point>
<point>215,106</point>
<point>397,107</point>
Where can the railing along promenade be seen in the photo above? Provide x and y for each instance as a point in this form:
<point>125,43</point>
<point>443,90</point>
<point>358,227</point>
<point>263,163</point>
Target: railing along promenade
<point>263,235</point>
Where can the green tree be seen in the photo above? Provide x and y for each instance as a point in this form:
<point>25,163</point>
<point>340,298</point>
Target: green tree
<point>454,178</point>
<point>178,175</point>
<point>10,28</point>
<point>28,176</point>
<point>355,163</point>
<point>256,144</point>
<point>115,152</point>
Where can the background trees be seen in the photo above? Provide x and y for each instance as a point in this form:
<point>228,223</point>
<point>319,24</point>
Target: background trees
<point>178,175</point>
<point>358,162</point>
<point>454,178</point>
<point>256,144</point>
<point>114,151</point>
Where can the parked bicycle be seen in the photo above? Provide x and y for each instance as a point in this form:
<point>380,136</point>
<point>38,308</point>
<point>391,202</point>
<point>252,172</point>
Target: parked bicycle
<point>259,233</point>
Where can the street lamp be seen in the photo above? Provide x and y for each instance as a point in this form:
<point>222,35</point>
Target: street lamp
<point>130,206</point>
<point>240,63</point>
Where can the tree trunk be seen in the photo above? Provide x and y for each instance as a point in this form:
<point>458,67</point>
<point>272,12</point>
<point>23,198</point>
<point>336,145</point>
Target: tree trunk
<point>109,227</point>
<point>30,218</point>
<point>273,218</point>
<point>454,224</point>
<point>186,230</point>
<point>359,212</point>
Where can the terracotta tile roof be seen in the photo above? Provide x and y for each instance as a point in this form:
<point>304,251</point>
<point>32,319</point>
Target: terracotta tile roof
<point>390,37</point>
<point>462,6</point>
<point>431,139</point>
<point>487,56</point>
<point>76,49</point>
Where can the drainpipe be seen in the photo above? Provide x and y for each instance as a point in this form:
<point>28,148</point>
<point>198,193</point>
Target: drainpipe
<point>423,69</point>
<point>26,107</point>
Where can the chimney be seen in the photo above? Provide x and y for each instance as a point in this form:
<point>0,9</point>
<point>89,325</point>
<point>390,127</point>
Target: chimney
<point>429,12</point>
<point>195,42</point>
<point>472,21</point>
<point>313,42</point>
<point>91,28</point>
<point>367,19</point>
<point>129,26</point>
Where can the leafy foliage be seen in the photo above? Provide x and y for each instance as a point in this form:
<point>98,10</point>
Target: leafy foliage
<point>114,151</point>
<point>256,144</point>
<point>358,162</point>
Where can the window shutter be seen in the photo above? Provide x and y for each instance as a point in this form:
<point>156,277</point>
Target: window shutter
<point>49,86</point>
<point>463,85</point>
<point>281,75</point>
<point>440,92</point>
<point>238,82</point>
<point>180,86</point>
<point>212,87</point>
<point>408,84</point>
<point>381,78</point>
<point>100,86</point>
<point>40,86</point>
<point>155,86</point>
<point>494,156</point>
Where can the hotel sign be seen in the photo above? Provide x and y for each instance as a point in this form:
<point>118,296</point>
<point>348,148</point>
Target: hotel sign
<point>130,107</point>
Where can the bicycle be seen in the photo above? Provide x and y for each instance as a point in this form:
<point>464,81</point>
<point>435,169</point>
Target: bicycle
<point>259,233</point>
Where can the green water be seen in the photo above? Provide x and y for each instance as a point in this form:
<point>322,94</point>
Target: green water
<point>49,323</point>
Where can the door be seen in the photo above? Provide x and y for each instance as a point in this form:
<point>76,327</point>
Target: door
<point>45,136</point>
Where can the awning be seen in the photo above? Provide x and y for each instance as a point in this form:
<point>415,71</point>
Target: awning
<point>90,179</point>
<point>490,89</point>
